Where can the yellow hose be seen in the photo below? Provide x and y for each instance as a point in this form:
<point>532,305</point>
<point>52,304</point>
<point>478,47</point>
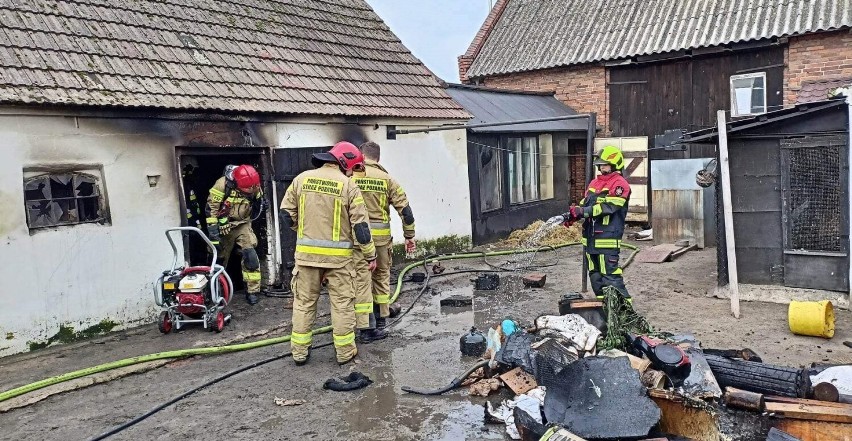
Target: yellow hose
<point>215,350</point>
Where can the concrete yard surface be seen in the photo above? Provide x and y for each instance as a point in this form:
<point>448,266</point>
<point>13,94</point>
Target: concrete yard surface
<point>422,351</point>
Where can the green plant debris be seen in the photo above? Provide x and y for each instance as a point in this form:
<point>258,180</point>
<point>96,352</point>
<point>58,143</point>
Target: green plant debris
<point>67,334</point>
<point>441,245</point>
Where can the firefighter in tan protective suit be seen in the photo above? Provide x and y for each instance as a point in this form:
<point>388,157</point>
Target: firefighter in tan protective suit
<point>229,215</point>
<point>380,192</point>
<point>327,211</point>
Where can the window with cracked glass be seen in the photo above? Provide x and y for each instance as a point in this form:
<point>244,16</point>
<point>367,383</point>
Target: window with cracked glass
<point>64,198</point>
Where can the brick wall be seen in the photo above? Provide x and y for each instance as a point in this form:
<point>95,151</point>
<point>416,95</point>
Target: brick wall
<point>583,88</point>
<point>817,57</point>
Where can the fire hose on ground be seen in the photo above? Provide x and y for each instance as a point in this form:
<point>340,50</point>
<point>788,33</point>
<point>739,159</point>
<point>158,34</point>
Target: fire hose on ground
<point>216,350</point>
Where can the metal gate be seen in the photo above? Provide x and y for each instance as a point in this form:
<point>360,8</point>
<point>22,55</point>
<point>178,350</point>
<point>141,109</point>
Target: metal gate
<point>815,212</point>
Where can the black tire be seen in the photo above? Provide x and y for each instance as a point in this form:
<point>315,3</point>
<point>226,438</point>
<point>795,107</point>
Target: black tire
<point>759,377</point>
<point>165,324</point>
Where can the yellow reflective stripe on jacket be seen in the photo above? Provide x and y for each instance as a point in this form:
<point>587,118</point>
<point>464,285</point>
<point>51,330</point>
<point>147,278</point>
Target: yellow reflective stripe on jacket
<point>381,299</point>
<point>358,200</point>
<point>335,229</point>
<point>615,200</point>
<point>300,230</point>
<point>251,276</point>
<point>363,308</point>
<point>380,229</point>
<point>212,220</point>
<point>602,267</point>
<point>320,251</point>
<point>383,205</point>
<point>301,339</point>
<point>408,227</point>
<point>344,340</point>
<point>606,220</point>
<point>584,241</point>
<point>369,249</point>
<point>216,195</point>
<point>597,210</point>
<point>400,191</point>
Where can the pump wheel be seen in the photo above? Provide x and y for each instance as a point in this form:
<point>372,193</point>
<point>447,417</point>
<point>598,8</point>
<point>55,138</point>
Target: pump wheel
<point>165,323</point>
<point>219,322</point>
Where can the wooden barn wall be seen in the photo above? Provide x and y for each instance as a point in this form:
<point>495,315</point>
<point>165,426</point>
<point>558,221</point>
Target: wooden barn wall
<point>647,100</point>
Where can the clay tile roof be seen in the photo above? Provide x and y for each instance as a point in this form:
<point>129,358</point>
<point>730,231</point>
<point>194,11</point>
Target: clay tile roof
<point>813,91</point>
<point>330,57</point>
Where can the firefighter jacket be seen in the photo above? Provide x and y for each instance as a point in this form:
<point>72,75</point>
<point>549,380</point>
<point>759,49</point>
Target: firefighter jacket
<point>605,213</point>
<point>380,192</point>
<point>327,211</point>
<point>226,205</point>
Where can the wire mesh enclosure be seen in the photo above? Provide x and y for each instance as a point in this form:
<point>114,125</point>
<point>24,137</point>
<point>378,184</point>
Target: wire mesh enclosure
<point>814,193</point>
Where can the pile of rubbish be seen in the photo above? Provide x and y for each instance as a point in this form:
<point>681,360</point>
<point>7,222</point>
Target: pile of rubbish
<point>599,371</point>
<point>552,237</point>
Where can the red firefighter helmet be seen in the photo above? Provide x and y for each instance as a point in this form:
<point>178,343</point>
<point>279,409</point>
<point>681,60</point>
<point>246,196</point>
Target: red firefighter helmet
<point>345,154</point>
<point>246,178</point>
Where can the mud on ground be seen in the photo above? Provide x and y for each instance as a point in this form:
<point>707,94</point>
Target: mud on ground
<point>423,351</point>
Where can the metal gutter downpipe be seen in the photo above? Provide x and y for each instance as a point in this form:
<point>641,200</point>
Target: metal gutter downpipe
<point>848,93</point>
<point>392,131</point>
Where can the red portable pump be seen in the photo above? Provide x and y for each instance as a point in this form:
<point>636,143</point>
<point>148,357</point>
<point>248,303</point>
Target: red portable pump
<point>196,294</point>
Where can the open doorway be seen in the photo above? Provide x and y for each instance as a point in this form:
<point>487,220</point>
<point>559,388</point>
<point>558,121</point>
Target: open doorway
<point>199,170</point>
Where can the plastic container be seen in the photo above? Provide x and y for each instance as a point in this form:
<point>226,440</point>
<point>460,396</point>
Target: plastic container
<point>473,344</point>
<point>811,318</point>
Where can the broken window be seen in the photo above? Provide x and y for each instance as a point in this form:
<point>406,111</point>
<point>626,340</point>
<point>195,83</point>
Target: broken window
<point>64,198</point>
<point>524,169</point>
<point>490,178</point>
<point>748,94</point>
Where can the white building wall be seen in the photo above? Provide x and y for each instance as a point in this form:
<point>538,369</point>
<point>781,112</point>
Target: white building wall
<point>78,276</point>
<point>431,167</point>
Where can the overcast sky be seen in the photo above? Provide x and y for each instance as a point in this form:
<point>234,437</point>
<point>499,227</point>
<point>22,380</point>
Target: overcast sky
<point>435,31</point>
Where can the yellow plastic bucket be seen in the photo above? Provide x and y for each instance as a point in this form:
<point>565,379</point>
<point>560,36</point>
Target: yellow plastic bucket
<point>812,318</point>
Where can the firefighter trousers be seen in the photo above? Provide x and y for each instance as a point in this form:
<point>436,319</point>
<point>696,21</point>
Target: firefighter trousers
<point>243,237</point>
<point>372,289</point>
<point>604,270</point>
<point>306,284</point>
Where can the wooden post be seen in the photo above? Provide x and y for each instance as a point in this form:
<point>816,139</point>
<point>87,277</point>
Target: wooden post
<point>590,174</point>
<point>724,166</point>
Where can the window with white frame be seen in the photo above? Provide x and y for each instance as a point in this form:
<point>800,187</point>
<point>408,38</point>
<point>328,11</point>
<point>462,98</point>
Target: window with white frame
<point>66,197</point>
<point>748,94</point>
<point>524,159</point>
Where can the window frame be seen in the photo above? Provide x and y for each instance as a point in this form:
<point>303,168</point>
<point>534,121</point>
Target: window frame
<point>497,159</point>
<point>93,173</point>
<point>734,109</point>
<point>510,168</point>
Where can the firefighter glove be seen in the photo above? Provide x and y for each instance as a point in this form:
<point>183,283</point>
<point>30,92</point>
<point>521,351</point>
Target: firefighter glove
<point>225,227</point>
<point>575,212</point>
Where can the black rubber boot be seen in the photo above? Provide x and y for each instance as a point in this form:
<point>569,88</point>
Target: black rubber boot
<point>303,362</point>
<point>252,298</point>
<point>373,335</point>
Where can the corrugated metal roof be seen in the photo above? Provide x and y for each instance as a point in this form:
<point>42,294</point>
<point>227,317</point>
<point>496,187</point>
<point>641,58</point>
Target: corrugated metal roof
<point>538,34</point>
<point>493,106</point>
<point>329,57</point>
